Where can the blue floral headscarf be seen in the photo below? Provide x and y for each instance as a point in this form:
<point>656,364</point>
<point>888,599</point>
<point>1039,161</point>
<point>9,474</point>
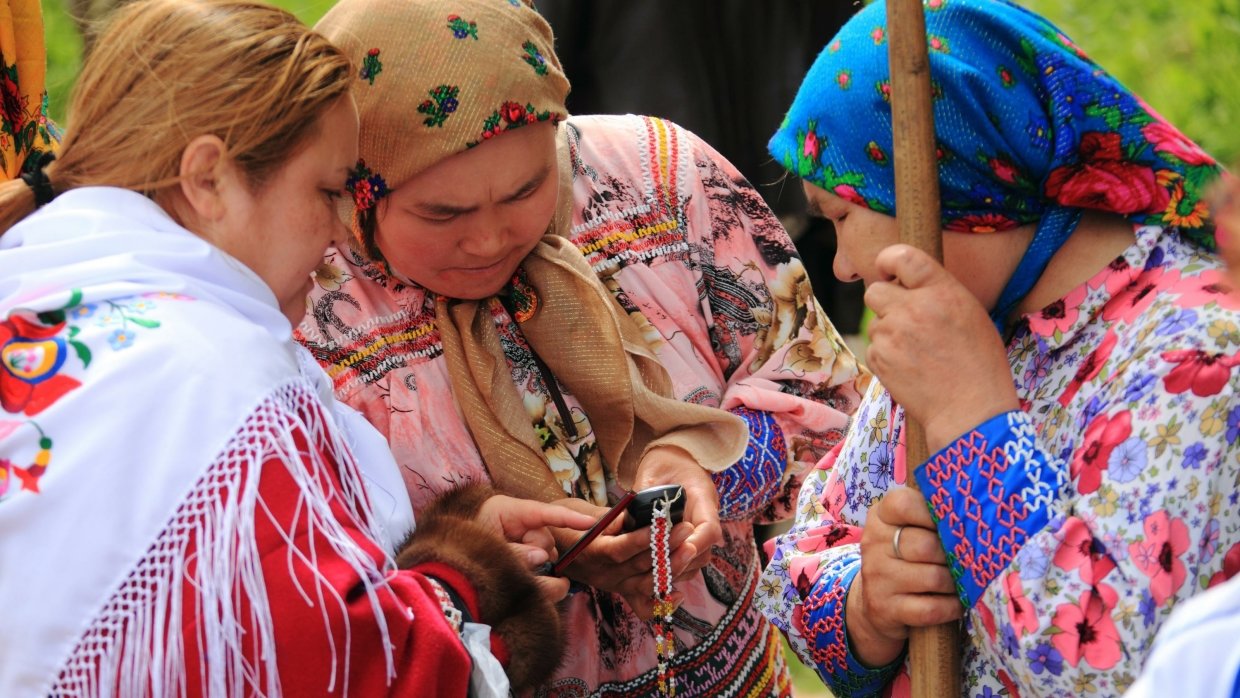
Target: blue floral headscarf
<point>1028,130</point>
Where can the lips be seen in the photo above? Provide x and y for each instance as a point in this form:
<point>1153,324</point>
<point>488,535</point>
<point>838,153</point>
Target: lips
<point>494,266</point>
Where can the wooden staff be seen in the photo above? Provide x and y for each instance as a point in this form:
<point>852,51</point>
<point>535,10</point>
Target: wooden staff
<point>934,652</point>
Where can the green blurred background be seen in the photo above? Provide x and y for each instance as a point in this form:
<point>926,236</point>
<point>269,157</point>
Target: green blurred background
<point>1181,56</point>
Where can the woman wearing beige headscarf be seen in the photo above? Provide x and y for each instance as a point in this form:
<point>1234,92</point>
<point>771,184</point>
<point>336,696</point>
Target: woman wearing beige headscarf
<point>523,289</point>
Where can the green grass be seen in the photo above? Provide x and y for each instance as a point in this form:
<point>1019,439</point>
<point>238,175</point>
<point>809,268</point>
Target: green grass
<point>64,46</point>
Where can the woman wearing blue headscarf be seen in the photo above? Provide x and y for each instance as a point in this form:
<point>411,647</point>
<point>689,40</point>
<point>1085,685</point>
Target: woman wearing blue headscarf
<point>1072,363</point>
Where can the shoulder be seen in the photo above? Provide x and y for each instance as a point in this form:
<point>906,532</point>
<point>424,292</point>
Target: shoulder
<point>638,144</point>
<point>172,340</point>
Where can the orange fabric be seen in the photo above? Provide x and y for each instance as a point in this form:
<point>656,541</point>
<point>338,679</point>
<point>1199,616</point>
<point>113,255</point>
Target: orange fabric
<point>24,128</point>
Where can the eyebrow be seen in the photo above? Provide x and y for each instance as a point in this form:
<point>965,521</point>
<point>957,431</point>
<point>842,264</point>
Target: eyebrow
<point>528,186</point>
<point>814,209</point>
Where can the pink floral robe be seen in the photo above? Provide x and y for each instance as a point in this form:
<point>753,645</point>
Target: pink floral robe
<point>699,262</point>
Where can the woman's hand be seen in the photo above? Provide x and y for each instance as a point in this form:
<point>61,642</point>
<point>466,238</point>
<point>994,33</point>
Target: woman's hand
<point>892,594</point>
<point>616,561</point>
<point>668,465</point>
<point>933,346</point>
<point>526,525</point>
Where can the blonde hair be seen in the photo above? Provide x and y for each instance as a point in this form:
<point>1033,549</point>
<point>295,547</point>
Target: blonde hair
<point>166,71</point>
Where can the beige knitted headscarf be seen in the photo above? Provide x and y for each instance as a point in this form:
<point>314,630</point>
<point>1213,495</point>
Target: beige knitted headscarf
<point>437,77</point>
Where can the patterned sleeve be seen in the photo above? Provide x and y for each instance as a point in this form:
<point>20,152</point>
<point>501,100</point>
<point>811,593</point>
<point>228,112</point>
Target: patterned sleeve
<point>805,586</point>
<point>1071,561</point>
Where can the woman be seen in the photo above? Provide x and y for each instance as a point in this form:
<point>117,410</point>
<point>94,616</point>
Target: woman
<point>469,325</point>
<point>1072,365</point>
<point>182,511</point>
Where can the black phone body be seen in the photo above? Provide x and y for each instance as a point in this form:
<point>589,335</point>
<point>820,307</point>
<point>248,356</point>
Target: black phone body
<point>641,510</point>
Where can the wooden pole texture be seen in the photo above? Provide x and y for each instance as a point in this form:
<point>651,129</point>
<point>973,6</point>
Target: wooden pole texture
<point>934,652</point>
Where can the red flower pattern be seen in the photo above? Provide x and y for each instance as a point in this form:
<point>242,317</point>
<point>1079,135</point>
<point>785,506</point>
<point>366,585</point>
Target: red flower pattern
<point>31,391</point>
<point>1089,369</point>
<point>1081,551</point>
<point>1022,613</point>
<point>1158,556</point>
<point>1104,180</point>
<point>1169,141</point>
<point>1203,372</point>
<point>1087,630</point>
<point>1101,437</point>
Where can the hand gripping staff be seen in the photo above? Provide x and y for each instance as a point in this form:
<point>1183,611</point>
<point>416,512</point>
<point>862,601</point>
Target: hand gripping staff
<point>934,652</point>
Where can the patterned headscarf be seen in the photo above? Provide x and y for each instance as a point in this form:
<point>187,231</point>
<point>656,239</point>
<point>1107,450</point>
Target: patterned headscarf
<point>438,78</point>
<point>25,130</point>
<point>1028,130</point>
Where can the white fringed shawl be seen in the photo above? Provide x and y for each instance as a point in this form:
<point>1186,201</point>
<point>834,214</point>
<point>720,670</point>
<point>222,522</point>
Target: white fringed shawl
<point>189,383</point>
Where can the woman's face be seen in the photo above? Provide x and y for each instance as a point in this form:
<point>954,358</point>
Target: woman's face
<point>461,227</point>
<point>281,228</point>
<point>981,262</point>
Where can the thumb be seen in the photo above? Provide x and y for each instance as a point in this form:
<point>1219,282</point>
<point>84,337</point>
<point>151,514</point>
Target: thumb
<point>908,266</point>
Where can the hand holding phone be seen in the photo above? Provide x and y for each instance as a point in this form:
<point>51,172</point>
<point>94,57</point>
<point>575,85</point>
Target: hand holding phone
<point>639,507</point>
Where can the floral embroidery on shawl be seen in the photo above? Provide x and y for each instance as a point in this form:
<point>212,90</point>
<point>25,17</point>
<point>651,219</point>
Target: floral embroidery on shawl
<point>34,348</point>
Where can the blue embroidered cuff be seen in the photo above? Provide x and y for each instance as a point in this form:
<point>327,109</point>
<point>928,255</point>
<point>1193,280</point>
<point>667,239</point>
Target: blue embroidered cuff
<point>824,630</point>
<point>750,483</point>
<point>988,492</point>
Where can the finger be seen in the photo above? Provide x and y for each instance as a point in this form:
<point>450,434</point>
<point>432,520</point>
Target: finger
<point>919,545</point>
<point>552,588</point>
<point>705,537</point>
<point>537,514</point>
<point>882,296</point>
<point>900,577</point>
<point>540,538</point>
<point>630,549</point>
<point>703,512</point>
<point>923,610</point>
<point>905,506</point>
<point>531,555</point>
<point>908,266</point>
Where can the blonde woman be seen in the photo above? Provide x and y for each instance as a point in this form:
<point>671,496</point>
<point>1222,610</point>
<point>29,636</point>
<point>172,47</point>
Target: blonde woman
<point>182,513</point>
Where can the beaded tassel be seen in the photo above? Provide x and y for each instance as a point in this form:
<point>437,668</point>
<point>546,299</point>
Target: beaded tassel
<point>661,555</point>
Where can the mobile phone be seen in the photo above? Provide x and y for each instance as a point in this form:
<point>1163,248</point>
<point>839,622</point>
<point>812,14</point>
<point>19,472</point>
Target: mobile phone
<point>641,509</point>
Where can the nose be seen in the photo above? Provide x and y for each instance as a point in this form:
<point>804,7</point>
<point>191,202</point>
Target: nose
<point>844,270</point>
<point>340,234</point>
<point>486,240</point>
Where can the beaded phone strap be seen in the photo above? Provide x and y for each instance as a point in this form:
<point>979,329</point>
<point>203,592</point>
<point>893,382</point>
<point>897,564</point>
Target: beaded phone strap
<point>661,555</point>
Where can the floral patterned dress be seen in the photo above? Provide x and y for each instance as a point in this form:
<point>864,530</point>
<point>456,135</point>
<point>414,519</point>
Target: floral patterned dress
<point>1073,526</point>
<point>697,260</point>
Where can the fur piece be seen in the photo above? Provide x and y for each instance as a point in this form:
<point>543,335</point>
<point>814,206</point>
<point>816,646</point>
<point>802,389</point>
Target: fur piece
<point>509,599</point>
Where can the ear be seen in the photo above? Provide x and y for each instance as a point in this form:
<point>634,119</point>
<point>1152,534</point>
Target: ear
<point>203,166</point>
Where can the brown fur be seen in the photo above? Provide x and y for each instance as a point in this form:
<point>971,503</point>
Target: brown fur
<point>509,599</point>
